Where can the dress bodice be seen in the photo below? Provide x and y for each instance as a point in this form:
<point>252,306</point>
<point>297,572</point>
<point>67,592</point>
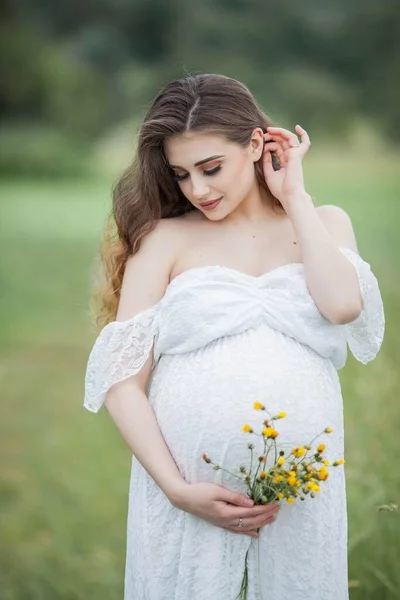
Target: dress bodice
<point>206,303</point>
<point>209,302</point>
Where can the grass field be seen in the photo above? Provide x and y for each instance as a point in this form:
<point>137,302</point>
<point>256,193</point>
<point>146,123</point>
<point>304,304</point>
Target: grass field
<point>64,476</point>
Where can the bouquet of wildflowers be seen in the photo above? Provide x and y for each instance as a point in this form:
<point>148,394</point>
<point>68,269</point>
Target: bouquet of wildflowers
<point>280,475</point>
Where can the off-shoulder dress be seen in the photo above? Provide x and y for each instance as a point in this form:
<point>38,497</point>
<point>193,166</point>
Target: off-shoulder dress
<point>223,339</point>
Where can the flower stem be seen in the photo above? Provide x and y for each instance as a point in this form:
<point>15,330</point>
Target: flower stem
<point>245,581</point>
<point>258,568</point>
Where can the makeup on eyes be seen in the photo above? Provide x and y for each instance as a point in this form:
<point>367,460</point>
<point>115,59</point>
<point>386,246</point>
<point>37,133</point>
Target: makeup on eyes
<point>209,172</point>
<point>201,162</point>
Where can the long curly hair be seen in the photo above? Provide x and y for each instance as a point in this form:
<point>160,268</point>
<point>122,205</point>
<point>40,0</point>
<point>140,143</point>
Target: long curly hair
<point>147,192</point>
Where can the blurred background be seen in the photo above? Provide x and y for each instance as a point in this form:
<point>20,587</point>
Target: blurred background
<point>75,81</point>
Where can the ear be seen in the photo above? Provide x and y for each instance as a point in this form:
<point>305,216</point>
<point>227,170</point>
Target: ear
<point>257,144</point>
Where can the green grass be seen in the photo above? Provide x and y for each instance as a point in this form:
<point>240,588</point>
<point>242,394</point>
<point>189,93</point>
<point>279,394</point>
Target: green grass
<point>64,479</point>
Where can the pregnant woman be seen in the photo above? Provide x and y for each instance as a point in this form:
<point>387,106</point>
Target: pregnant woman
<point>225,285</point>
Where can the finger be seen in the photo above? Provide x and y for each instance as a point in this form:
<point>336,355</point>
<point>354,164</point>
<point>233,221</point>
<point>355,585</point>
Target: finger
<point>235,513</point>
<point>268,166</point>
<point>254,518</point>
<point>250,524</point>
<point>277,148</point>
<point>285,133</point>
<point>281,131</point>
<point>281,139</point>
<point>270,519</point>
<point>305,139</point>
<point>265,509</point>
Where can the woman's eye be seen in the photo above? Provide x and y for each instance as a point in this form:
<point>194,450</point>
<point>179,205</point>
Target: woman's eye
<point>209,172</point>
<point>180,177</point>
<point>212,171</point>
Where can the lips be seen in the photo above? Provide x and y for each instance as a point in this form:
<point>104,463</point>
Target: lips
<point>210,202</point>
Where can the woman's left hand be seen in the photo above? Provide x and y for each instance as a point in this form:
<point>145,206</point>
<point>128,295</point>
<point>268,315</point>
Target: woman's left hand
<point>288,182</point>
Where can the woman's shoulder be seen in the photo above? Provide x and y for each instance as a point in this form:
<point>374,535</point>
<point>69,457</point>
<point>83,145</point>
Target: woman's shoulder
<point>338,222</point>
<point>162,246</point>
<point>170,229</point>
<point>180,229</point>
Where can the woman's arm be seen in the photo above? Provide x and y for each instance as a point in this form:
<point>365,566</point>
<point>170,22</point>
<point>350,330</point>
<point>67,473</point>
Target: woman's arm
<point>145,280</point>
<point>331,278</point>
<point>132,414</point>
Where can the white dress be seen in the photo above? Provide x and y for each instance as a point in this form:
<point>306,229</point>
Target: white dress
<point>222,340</point>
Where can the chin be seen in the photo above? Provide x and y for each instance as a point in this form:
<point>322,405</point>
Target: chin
<point>214,216</point>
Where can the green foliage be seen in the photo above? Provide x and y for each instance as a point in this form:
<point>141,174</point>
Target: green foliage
<point>30,149</point>
<point>85,67</point>
<point>78,97</point>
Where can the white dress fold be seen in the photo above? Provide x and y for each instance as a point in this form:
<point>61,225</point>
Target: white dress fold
<point>223,339</point>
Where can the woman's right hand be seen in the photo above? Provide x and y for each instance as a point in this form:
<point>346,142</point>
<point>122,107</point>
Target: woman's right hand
<point>223,508</point>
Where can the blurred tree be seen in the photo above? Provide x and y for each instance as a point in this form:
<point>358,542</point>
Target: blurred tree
<point>86,66</point>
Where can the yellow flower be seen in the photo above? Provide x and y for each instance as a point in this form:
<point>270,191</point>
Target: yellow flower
<point>328,430</point>
<point>326,462</point>
<point>278,478</point>
<point>281,415</point>
<point>321,448</point>
<point>270,432</point>
<point>291,480</point>
<point>290,500</point>
<point>247,429</point>
<point>281,461</point>
<point>258,406</point>
<point>323,474</point>
<point>338,462</point>
<point>280,496</point>
<point>298,452</point>
<point>313,486</point>
<point>263,474</point>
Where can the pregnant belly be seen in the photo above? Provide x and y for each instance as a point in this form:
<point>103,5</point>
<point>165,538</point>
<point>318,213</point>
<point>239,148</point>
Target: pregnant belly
<point>203,398</point>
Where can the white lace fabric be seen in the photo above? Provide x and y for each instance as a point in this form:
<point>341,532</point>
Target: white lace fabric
<point>120,351</point>
<point>223,339</point>
<point>365,335</point>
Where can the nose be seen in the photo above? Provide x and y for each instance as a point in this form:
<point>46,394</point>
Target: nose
<point>200,188</point>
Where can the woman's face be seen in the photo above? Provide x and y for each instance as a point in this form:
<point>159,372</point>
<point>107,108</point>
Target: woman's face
<point>209,167</point>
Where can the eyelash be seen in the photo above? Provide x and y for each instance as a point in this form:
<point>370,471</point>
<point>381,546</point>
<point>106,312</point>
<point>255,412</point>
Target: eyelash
<point>208,173</point>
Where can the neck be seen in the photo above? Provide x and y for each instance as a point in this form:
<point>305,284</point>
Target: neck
<point>256,207</point>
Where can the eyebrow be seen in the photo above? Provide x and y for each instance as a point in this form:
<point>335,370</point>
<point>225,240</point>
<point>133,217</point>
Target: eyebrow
<point>201,162</point>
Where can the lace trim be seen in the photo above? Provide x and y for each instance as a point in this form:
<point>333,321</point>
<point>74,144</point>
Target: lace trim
<point>364,335</point>
<point>120,350</point>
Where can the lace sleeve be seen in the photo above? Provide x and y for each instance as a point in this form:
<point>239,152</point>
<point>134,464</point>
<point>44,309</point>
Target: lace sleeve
<point>364,335</point>
<point>120,351</point>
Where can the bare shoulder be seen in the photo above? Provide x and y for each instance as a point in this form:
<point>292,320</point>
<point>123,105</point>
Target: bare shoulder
<point>339,224</point>
<point>147,272</point>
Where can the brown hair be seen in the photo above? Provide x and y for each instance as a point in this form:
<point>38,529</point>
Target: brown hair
<point>147,191</point>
